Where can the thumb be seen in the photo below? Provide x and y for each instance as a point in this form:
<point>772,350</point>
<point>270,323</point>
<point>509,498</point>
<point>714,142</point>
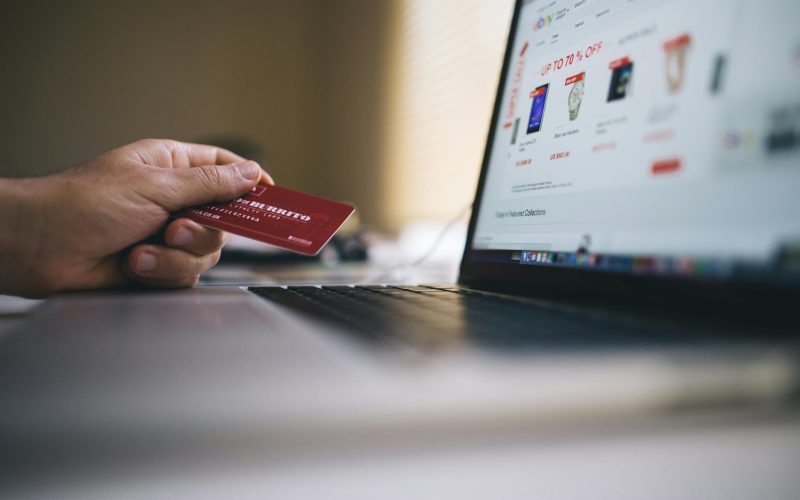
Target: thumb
<point>209,183</point>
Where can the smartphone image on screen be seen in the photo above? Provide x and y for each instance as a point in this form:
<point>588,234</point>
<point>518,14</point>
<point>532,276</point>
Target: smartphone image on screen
<point>537,108</point>
<point>620,81</point>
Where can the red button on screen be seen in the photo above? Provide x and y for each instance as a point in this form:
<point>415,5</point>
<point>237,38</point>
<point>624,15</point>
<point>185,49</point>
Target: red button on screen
<point>669,166</point>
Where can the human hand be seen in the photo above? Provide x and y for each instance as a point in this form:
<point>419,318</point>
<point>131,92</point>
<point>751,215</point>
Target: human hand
<point>105,223</point>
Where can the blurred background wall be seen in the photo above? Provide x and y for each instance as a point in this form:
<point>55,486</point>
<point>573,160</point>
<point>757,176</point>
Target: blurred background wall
<point>383,103</point>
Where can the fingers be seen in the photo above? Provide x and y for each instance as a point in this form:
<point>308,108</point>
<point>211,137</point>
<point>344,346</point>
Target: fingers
<point>192,250</point>
<point>187,187</point>
<point>194,238</point>
<point>216,174</point>
<point>186,154</point>
<point>167,153</point>
<point>174,154</point>
<point>203,154</point>
<point>165,267</point>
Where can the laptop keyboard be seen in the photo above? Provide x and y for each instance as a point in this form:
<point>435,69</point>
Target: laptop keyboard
<point>443,316</point>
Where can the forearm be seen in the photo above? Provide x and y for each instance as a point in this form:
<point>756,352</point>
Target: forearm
<point>21,227</point>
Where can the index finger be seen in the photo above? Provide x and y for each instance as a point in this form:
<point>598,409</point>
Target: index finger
<point>204,154</point>
<point>167,153</point>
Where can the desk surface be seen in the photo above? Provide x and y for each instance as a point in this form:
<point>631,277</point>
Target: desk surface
<point>756,457</point>
<point>726,454</point>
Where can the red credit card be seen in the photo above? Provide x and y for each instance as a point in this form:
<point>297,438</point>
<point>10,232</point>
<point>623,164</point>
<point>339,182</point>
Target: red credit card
<point>287,219</point>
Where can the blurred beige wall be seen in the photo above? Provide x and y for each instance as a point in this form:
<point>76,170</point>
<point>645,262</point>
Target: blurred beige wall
<point>353,68</point>
<point>86,76</point>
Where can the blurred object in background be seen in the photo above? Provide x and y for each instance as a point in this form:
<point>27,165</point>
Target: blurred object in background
<point>426,251</point>
<point>383,104</point>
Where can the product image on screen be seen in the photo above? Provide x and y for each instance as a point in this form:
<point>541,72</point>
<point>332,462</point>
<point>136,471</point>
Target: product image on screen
<point>575,94</point>
<point>718,74</point>
<point>514,133</point>
<point>676,51</point>
<point>539,97</point>
<point>621,74</point>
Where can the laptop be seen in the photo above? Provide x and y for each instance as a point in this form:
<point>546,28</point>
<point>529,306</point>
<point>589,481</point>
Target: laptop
<point>636,158</point>
<point>634,247</point>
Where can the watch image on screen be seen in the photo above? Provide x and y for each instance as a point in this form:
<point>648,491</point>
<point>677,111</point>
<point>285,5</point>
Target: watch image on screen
<point>576,95</point>
<point>676,51</point>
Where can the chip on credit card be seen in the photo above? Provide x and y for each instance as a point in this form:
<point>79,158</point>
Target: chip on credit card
<point>282,217</point>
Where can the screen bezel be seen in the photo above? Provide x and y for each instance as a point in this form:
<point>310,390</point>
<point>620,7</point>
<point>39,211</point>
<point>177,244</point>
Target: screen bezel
<point>550,281</point>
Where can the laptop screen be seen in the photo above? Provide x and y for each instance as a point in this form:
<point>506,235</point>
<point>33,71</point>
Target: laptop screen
<point>643,136</point>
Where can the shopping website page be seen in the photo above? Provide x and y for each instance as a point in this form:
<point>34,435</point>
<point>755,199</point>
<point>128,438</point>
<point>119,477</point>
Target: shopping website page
<point>645,135</point>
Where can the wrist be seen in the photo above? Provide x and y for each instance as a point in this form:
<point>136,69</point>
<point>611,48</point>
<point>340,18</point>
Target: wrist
<point>22,214</point>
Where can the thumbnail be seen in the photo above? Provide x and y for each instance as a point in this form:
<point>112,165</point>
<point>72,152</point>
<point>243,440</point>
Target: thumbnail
<point>676,51</point>
<point>514,133</point>
<point>783,134</point>
<point>621,74</point>
<point>575,94</point>
<point>718,73</point>
<point>537,108</point>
